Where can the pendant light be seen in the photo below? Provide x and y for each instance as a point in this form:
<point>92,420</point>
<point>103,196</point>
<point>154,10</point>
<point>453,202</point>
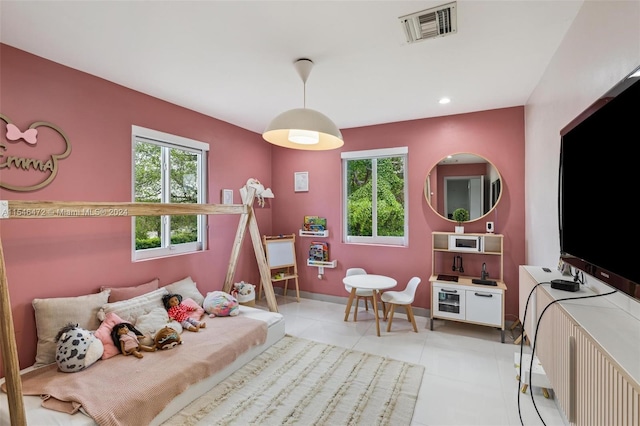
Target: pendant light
<point>303,128</point>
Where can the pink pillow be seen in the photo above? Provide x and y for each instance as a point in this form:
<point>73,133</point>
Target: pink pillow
<point>124,293</point>
<point>104,334</point>
<point>198,313</point>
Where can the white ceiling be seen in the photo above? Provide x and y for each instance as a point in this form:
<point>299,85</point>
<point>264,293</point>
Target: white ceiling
<point>233,60</point>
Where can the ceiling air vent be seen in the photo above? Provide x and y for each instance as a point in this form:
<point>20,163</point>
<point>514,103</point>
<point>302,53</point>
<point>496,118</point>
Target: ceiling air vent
<point>435,22</point>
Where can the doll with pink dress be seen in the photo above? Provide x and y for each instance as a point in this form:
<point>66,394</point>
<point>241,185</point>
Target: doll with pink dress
<point>125,337</point>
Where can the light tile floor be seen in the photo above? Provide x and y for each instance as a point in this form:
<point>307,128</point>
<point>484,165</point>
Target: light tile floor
<point>469,378</point>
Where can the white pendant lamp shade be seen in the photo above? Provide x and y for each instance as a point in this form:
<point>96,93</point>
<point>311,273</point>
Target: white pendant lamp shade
<point>303,128</point>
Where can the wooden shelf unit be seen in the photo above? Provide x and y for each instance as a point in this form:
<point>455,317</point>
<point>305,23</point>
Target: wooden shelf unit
<point>493,246</point>
<point>463,300</point>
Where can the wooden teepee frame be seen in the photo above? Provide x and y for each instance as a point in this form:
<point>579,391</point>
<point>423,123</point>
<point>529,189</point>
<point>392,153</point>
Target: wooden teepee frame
<point>66,209</point>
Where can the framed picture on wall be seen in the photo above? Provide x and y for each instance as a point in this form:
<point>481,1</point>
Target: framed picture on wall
<point>301,181</point>
<point>227,196</point>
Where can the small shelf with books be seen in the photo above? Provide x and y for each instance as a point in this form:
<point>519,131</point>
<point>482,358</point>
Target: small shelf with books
<point>314,226</point>
<point>319,257</point>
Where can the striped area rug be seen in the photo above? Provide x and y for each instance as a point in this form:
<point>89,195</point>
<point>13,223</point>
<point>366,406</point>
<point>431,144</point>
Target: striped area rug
<point>298,381</point>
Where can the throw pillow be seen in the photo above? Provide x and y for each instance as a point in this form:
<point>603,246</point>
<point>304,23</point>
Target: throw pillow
<point>129,310</point>
<point>54,313</point>
<point>148,324</point>
<point>124,293</point>
<point>103,333</point>
<point>198,313</point>
<point>186,288</point>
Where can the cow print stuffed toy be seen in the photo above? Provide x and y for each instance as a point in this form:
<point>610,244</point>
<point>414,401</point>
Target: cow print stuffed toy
<point>76,348</point>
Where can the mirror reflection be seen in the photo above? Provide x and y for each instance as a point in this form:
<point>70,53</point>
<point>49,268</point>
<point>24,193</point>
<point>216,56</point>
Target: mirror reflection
<point>463,180</point>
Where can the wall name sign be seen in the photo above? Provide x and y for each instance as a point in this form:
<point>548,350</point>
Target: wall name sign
<point>29,159</point>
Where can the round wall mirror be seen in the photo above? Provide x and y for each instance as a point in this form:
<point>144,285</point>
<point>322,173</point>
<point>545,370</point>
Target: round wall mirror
<point>463,181</point>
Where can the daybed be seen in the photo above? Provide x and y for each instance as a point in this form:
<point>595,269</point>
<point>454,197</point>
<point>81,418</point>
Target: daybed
<point>15,404</point>
<point>122,390</point>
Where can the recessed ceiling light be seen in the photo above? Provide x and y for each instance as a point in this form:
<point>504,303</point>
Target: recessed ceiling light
<point>444,101</point>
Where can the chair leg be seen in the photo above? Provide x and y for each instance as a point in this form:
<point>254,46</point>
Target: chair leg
<point>391,310</point>
<point>355,312</point>
<point>366,305</point>
<point>411,317</point>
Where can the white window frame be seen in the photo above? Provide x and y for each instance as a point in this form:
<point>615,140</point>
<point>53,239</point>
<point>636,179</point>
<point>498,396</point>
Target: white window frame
<point>374,154</point>
<point>168,140</point>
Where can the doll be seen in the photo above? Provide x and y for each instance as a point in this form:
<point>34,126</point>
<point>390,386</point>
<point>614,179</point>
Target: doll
<point>178,311</point>
<point>125,337</point>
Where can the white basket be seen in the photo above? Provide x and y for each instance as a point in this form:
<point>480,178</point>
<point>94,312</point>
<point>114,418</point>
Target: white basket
<point>244,298</point>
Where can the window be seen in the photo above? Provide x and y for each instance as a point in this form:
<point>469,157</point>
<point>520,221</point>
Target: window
<point>374,196</point>
<point>167,169</point>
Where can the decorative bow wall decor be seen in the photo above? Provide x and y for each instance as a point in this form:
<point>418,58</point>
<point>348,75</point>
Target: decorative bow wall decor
<point>16,161</point>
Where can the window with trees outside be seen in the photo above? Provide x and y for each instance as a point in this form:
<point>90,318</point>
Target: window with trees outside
<point>375,196</point>
<point>167,169</point>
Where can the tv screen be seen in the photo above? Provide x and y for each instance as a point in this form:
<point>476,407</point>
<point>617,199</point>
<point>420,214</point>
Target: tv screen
<point>598,189</point>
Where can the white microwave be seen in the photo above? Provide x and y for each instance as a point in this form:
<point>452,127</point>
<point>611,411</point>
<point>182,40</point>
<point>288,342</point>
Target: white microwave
<point>464,242</point>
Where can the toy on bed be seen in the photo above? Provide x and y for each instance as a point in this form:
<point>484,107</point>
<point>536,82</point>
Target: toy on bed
<point>125,337</point>
<point>76,348</point>
<point>167,338</point>
<point>180,312</point>
<point>220,304</point>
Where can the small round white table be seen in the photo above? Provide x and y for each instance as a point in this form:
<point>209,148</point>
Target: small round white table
<point>367,282</point>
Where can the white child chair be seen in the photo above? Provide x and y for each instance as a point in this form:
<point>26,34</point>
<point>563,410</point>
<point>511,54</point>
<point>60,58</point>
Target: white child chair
<point>403,298</point>
<point>361,294</point>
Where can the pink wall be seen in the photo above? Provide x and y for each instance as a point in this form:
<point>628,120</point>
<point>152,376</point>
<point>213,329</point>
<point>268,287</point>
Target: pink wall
<point>55,258</point>
<point>497,135</point>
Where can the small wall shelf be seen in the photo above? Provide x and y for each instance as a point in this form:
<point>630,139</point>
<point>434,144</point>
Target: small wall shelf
<point>324,233</point>
<point>320,264</point>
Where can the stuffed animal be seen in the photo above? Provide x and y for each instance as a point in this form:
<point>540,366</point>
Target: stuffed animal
<point>220,304</point>
<point>179,311</point>
<point>167,338</point>
<point>76,348</point>
<point>243,289</point>
<point>125,336</point>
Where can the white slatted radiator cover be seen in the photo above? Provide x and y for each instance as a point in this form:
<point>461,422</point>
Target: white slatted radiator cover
<point>591,388</point>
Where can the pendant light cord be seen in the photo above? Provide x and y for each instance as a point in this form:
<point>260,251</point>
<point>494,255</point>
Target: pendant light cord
<point>304,94</point>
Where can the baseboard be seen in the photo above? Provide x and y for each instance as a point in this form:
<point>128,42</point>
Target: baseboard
<point>342,300</point>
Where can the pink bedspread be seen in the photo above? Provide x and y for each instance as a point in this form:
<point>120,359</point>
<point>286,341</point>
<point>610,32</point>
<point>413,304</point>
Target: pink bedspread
<point>125,390</point>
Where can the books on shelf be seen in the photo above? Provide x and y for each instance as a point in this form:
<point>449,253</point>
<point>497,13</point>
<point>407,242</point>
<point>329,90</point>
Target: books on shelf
<point>319,251</point>
<point>314,224</point>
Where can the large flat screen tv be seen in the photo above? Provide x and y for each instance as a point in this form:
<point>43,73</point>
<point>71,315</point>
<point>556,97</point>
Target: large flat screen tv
<point>599,188</point>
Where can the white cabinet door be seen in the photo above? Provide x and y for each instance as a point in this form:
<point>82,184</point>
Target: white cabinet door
<point>484,307</point>
<point>448,301</point>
